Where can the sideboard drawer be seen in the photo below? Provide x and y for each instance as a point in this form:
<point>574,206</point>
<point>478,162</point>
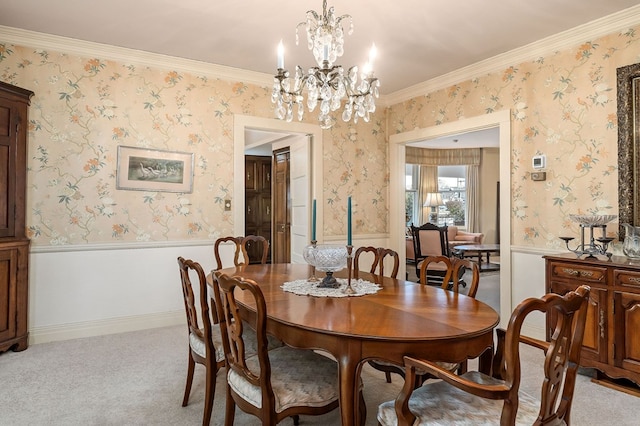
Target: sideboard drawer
<point>626,278</point>
<point>574,271</point>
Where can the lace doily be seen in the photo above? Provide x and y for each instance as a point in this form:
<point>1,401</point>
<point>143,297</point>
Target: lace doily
<point>307,288</point>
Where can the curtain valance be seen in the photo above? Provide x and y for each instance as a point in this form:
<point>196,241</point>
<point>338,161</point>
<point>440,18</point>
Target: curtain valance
<point>442,157</point>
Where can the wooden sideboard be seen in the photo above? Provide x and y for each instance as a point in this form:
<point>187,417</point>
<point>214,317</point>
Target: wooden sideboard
<point>612,335</point>
<point>14,245</point>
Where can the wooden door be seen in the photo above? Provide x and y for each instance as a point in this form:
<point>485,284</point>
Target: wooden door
<point>594,343</point>
<point>627,341</point>
<point>281,205</point>
<point>8,296</point>
<point>258,201</point>
<point>7,170</point>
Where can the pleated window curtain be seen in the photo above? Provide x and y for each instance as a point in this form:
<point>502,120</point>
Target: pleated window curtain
<point>432,158</point>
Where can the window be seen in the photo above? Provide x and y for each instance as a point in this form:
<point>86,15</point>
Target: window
<point>411,194</point>
<point>452,186</point>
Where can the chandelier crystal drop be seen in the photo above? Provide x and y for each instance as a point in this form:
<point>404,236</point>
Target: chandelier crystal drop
<point>327,85</point>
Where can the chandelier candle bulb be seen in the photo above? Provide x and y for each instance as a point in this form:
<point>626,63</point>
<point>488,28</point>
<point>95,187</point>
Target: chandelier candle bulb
<point>280,56</point>
<point>372,54</point>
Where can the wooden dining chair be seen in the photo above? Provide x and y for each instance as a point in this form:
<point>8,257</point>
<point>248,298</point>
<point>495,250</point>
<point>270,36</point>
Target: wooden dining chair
<point>246,250</point>
<point>452,268</point>
<point>379,254</point>
<point>234,242</point>
<point>255,249</point>
<point>205,342</point>
<point>476,398</point>
<point>452,272</point>
<point>276,384</point>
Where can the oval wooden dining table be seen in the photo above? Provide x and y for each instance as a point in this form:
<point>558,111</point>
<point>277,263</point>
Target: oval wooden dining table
<point>402,318</point>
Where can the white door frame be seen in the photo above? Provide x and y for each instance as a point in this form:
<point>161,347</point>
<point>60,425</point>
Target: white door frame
<point>242,122</point>
<point>397,143</point>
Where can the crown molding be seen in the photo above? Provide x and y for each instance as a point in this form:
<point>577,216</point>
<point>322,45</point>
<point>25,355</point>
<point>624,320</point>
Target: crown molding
<point>565,40</point>
<point>130,56</point>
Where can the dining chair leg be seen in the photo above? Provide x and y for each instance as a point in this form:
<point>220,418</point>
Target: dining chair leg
<point>296,419</point>
<point>209,393</point>
<point>387,375</point>
<point>230,409</point>
<point>362,410</point>
<point>187,389</point>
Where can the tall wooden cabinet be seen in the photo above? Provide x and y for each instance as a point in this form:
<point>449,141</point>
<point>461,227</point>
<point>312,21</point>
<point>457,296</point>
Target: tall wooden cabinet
<point>612,334</point>
<point>14,245</point>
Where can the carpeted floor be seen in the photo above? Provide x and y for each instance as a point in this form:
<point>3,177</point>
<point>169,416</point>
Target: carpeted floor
<point>138,379</point>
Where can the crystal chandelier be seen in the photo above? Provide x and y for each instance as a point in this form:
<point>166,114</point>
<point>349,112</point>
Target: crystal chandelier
<point>326,84</point>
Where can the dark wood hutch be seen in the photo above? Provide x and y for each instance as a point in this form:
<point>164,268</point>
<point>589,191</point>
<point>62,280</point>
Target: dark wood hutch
<point>14,244</point>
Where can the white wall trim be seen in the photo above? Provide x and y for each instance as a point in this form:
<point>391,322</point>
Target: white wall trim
<point>118,246</point>
<point>108,326</point>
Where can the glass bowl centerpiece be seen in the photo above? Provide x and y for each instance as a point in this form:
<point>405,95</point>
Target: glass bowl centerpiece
<point>327,258</point>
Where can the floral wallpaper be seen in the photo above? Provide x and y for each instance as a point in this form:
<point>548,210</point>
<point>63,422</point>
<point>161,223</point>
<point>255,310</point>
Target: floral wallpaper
<point>84,108</point>
<point>563,105</point>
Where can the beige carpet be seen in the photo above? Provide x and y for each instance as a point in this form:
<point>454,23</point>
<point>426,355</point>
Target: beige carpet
<point>138,379</point>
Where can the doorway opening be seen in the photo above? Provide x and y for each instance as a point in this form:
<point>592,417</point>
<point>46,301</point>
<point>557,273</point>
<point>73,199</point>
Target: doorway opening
<point>397,164</point>
<point>305,142</point>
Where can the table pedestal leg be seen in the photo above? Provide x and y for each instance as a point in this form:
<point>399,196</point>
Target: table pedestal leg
<point>349,378</point>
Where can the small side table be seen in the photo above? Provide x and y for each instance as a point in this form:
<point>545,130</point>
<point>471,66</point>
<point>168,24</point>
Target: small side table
<point>476,250</point>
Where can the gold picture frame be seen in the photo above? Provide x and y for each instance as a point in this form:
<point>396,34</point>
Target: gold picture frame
<point>628,85</point>
<point>143,169</point>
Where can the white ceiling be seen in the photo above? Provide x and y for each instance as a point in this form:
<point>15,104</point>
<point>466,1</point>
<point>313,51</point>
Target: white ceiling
<point>417,40</point>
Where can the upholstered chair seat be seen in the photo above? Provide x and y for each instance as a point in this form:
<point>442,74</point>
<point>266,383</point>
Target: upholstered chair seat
<point>197,344</point>
<point>441,404</point>
<point>313,382</point>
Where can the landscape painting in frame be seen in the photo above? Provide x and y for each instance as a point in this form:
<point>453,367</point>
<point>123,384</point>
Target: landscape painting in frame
<point>142,169</point>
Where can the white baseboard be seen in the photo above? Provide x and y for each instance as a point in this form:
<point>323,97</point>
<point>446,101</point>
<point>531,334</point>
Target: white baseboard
<point>102,327</point>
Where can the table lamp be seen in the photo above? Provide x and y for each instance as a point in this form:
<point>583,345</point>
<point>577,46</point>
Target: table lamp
<point>433,200</point>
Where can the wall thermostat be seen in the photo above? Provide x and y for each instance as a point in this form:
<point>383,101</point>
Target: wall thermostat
<point>539,161</point>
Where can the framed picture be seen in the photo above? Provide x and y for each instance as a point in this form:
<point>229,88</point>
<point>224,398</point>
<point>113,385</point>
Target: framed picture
<point>142,169</point>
